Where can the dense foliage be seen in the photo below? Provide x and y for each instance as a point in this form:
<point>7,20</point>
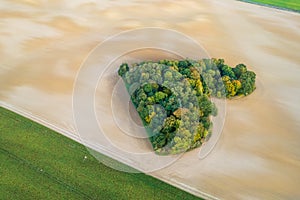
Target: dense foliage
<point>173,98</point>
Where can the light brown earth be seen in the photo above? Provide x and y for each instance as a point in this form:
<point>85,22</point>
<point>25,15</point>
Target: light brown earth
<point>42,46</point>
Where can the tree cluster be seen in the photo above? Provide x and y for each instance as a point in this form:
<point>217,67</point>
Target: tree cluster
<point>173,98</point>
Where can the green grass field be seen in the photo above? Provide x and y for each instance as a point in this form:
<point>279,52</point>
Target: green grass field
<point>38,163</point>
<point>287,4</point>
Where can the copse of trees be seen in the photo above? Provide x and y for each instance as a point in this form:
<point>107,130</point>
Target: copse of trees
<point>238,80</point>
<point>173,98</point>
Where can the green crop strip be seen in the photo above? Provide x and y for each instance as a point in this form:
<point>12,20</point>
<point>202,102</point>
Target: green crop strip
<point>38,163</point>
<point>291,5</point>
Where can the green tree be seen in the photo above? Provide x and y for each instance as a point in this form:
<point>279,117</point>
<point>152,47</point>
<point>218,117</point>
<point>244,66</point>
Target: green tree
<point>159,96</point>
<point>147,87</point>
<point>183,64</point>
<point>123,69</point>
<point>168,76</point>
<point>239,70</point>
<point>170,125</point>
<point>247,80</point>
<point>227,71</point>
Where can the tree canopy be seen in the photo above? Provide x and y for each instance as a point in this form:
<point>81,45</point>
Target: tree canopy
<point>173,98</point>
